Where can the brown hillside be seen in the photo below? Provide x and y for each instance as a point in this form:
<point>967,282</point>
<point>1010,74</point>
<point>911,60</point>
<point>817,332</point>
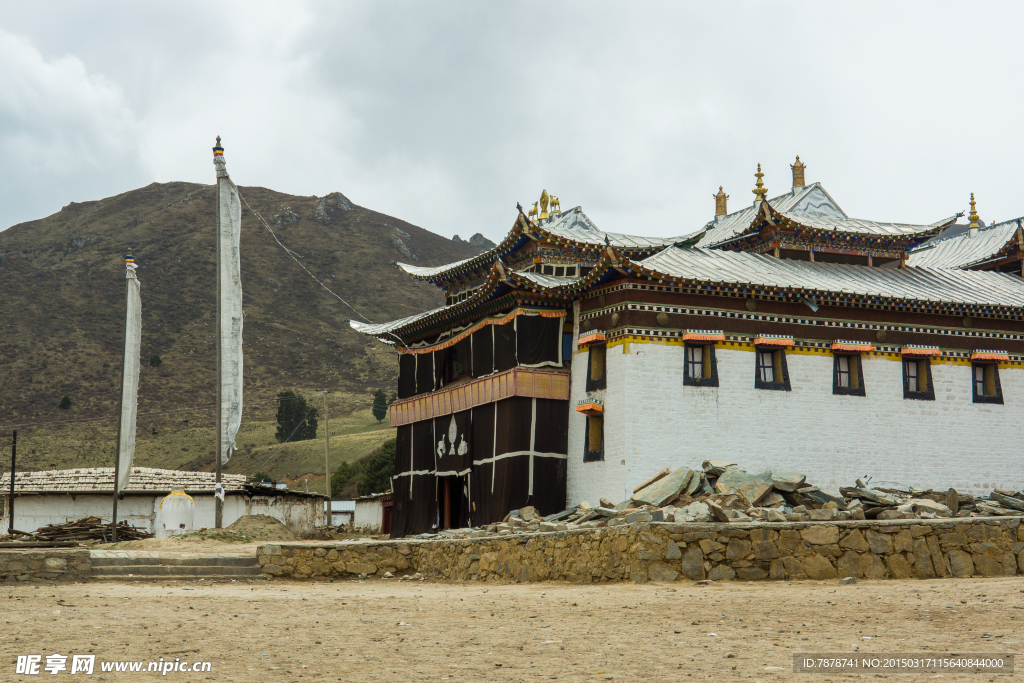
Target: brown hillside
<point>62,301</point>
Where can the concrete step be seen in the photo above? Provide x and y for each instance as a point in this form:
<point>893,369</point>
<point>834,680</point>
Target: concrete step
<point>213,560</point>
<point>151,566</point>
<point>177,570</point>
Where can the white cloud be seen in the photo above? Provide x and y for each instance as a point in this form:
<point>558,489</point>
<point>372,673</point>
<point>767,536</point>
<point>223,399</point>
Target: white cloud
<point>65,133</point>
<point>448,113</point>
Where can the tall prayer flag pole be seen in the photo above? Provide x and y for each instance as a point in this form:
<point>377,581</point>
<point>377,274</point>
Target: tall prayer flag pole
<point>129,387</point>
<point>229,320</point>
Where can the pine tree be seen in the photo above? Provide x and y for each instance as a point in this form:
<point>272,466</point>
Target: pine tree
<point>380,469</point>
<point>295,418</point>
<point>380,405</point>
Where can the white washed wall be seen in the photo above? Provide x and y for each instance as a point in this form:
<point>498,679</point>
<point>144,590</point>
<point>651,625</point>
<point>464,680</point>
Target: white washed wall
<point>300,515</point>
<point>369,516</point>
<point>653,421</point>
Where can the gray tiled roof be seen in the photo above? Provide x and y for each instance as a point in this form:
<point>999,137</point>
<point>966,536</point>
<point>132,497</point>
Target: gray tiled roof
<point>962,250</point>
<point>812,207</point>
<point>572,225</point>
<point>101,479</point>
<point>918,284</point>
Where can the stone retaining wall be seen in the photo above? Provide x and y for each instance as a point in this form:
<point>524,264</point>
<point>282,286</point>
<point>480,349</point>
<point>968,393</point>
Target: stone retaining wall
<point>896,549</point>
<point>45,564</point>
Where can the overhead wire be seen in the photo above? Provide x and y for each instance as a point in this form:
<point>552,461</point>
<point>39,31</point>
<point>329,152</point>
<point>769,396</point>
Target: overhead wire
<point>294,254</point>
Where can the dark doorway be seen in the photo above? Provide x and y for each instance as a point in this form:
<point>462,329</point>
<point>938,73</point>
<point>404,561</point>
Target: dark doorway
<point>452,502</point>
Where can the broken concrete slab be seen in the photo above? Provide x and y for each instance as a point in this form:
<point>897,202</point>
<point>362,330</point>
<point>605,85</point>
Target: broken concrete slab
<point>952,501</point>
<point>820,497</point>
<point>665,489</point>
<point>695,483</point>
<point>1007,501</point>
<point>664,473</point>
<point>753,487</point>
<point>877,497</point>
<point>558,516</point>
<point>717,511</point>
<point>715,468</point>
<point>929,505</point>
<point>784,480</point>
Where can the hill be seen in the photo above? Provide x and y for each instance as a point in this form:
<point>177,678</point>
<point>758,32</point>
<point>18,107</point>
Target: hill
<point>62,322</point>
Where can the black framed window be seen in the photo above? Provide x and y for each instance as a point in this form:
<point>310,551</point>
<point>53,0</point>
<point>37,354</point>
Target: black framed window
<point>596,367</point>
<point>701,370</point>
<point>917,379</point>
<point>985,377</point>
<point>771,370</point>
<point>593,449</point>
<point>848,375</point>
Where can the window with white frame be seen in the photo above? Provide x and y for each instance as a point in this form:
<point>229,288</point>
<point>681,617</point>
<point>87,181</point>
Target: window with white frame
<point>771,370</point>
<point>700,368</point>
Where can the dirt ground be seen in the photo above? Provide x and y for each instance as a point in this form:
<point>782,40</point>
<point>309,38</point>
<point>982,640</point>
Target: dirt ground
<point>383,630</point>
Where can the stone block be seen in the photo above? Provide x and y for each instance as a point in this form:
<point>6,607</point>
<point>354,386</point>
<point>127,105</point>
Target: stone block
<point>738,549</point>
<point>903,542</point>
<point>822,515</point>
<point>898,566</point>
<point>721,572</point>
<point>751,573</point>
<point>820,534</point>
<point>274,569</point>
<point>659,571</point>
<point>753,487</point>
<point>938,562</point>
<point>361,568</point>
<point>638,577</point>
<point>271,550</point>
<point>1009,564</point>
<point>766,550</point>
<point>55,564</point>
<point>638,516</point>
<point>693,563</point>
<point>794,568</point>
<point>787,481</point>
<point>854,540</point>
<point>987,566</point>
<point>709,546</point>
<point>871,566</point>
<point>818,567</point>
<point>775,516</point>
<point>849,565</point>
<point>672,551</point>
<point>665,489</point>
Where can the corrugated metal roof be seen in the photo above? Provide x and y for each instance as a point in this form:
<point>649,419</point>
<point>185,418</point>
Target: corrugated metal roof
<point>808,200</point>
<point>427,271</point>
<point>862,226</point>
<point>378,329</point>
<point>577,226</point>
<point>341,505</point>
<point>919,284</point>
<point>549,281</point>
<point>571,225</point>
<point>814,208</point>
<point>962,249</point>
<point>101,479</point>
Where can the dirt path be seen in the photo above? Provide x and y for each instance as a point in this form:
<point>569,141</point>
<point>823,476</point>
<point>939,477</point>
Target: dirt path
<point>349,631</point>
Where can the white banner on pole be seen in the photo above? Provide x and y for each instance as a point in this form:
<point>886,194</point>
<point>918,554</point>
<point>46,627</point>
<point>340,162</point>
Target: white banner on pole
<point>230,224</point>
<point>130,383</point>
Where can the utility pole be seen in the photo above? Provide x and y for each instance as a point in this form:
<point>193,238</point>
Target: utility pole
<point>218,519</point>
<point>10,504</point>
<point>327,459</point>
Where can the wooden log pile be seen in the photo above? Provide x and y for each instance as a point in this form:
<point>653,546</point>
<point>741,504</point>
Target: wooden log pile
<point>89,529</point>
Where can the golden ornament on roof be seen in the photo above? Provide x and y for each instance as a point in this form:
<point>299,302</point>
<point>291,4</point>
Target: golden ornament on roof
<point>974,214</point>
<point>543,204</point>
<point>760,191</point>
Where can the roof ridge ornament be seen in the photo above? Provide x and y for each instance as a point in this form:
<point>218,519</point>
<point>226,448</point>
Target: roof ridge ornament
<point>720,202</point>
<point>760,191</point>
<point>972,230</point>
<point>798,173</point>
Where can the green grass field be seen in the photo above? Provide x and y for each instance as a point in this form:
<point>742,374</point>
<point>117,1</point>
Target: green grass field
<point>177,445</point>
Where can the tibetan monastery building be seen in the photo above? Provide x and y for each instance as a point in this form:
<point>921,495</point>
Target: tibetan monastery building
<point>570,364</point>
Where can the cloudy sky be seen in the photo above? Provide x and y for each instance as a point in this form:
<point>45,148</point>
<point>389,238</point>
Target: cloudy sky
<point>447,113</point>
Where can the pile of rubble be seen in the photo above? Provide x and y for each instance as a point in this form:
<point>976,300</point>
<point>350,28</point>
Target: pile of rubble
<point>725,492</point>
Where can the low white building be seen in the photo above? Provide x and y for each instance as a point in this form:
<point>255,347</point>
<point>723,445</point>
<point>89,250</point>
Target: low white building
<point>59,496</point>
<point>342,512</point>
<point>373,513</point>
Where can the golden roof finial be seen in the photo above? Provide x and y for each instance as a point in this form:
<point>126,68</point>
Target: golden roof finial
<point>760,191</point>
<point>720,206</point>
<point>974,214</point>
<point>543,204</point>
<point>798,172</point>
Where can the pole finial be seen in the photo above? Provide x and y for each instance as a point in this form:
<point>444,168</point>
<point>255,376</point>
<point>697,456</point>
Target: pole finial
<point>798,172</point>
<point>760,190</point>
<point>721,208</point>
<point>974,214</point>
<point>218,151</point>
